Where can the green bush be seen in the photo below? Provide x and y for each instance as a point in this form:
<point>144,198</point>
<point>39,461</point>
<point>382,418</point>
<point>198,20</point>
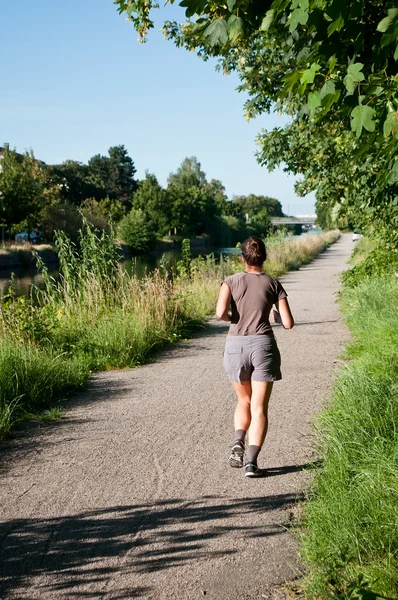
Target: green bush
<point>377,261</point>
<point>137,231</point>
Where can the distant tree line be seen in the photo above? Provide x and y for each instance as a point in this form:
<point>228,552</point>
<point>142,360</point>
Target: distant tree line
<point>36,196</point>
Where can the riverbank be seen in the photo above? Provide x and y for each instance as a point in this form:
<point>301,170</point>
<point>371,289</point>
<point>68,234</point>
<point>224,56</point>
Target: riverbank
<point>20,256</point>
<point>97,317</point>
<point>351,526</point>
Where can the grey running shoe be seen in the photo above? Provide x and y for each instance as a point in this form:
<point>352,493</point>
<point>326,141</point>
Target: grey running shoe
<point>236,458</point>
<point>252,470</point>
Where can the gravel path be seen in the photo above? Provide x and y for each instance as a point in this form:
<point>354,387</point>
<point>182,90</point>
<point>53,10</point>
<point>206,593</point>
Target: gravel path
<point>131,495</point>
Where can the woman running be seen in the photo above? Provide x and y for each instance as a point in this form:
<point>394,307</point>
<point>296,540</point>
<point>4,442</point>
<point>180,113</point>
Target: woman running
<point>251,357</point>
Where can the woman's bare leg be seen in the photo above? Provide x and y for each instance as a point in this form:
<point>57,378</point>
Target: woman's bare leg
<point>261,392</point>
<point>243,415</point>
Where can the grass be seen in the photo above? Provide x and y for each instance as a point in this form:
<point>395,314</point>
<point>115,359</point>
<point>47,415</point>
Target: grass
<point>287,255</point>
<point>32,380</point>
<point>351,537</point>
<point>98,317</point>
<point>46,416</point>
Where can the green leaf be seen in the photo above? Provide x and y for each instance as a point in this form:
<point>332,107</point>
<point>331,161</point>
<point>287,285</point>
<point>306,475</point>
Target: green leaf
<point>291,80</point>
<point>280,5</point>
<point>362,117</point>
<point>354,76</point>
<point>332,63</point>
<point>313,102</point>
<point>303,4</point>
<point>308,75</point>
<point>327,88</point>
<point>231,4</point>
<point>387,21</point>
<point>336,25</point>
<point>329,100</point>
<point>193,7</point>
<point>267,21</point>
<point>396,54</point>
<point>235,27</point>
<point>391,124</point>
<point>217,32</point>
<point>298,16</point>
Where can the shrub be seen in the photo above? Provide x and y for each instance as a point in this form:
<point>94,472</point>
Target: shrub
<point>378,261</point>
<point>136,230</point>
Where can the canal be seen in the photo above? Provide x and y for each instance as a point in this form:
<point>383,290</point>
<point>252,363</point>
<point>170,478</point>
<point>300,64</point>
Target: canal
<point>24,278</point>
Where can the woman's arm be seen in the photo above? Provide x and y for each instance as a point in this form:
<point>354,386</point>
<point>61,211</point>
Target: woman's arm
<point>283,314</point>
<point>223,303</point>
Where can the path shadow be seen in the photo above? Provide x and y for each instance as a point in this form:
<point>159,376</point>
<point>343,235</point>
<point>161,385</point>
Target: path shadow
<point>273,471</point>
<point>75,555</point>
<point>299,324</point>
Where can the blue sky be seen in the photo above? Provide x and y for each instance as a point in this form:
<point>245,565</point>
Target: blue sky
<point>75,81</point>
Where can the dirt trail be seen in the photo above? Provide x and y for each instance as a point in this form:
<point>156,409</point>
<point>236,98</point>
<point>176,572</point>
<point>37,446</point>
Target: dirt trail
<point>131,494</point>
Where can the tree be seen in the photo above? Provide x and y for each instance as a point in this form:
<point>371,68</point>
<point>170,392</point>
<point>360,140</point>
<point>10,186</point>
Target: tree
<point>194,203</point>
<point>329,55</point>
<point>349,192</point>
<point>62,216</point>
<point>137,231</point>
<point>326,63</point>
<point>96,213</point>
<point>151,198</point>
<point>23,182</point>
<point>188,175</point>
<point>73,181</point>
<point>253,204</point>
<point>216,189</point>
<point>114,175</point>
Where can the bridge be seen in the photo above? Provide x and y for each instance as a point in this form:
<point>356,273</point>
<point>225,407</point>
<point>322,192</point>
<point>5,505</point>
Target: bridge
<point>307,221</point>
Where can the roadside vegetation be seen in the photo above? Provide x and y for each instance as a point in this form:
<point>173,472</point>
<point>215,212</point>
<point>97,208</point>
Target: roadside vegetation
<point>98,317</point>
<point>351,520</point>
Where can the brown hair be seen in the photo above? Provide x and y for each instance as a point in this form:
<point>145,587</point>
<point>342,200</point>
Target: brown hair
<point>254,252</point>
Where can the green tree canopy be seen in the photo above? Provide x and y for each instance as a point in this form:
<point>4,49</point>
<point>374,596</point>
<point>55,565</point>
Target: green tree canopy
<point>252,204</point>
<point>73,180</point>
<point>151,198</point>
<point>23,189</point>
<point>137,231</point>
<point>113,175</point>
<point>329,64</point>
<point>194,203</point>
<point>188,175</point>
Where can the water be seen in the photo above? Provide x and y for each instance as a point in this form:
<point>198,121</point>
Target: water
<point>140,265</point>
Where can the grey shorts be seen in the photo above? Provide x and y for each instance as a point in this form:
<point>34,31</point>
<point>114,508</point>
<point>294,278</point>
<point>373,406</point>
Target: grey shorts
<point>254,357</point>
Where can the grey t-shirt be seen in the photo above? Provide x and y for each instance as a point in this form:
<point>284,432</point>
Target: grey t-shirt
<point>252,298</point>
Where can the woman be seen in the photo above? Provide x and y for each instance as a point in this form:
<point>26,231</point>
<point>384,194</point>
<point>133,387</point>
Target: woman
<point>251,356</point>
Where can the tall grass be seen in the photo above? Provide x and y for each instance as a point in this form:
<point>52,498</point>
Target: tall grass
<point>290,254</point>
<point>96,316</point>
<point>352,517</point>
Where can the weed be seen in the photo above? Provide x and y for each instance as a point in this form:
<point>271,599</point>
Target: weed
<point>46,416</point>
